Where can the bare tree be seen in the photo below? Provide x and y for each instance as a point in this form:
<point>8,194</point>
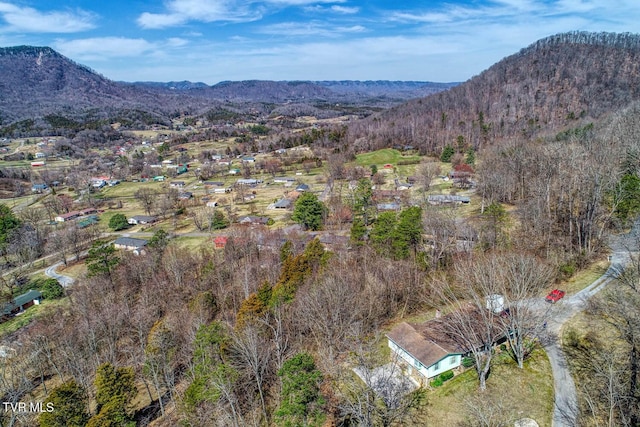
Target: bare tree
<point>147,198</point>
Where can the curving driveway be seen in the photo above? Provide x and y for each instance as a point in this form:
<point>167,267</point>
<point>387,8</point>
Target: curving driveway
<point>63,280</point>
<point>566,401</point>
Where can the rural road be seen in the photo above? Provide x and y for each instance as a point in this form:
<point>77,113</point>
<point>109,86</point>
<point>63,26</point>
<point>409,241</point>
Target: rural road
<point>566,400</point>
<point>63,280</point>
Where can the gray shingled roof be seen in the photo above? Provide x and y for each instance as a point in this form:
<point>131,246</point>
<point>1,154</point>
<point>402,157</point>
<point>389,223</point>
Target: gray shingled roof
<point>130,242</point>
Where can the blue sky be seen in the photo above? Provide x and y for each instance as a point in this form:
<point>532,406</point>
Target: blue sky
<point>215,40</point>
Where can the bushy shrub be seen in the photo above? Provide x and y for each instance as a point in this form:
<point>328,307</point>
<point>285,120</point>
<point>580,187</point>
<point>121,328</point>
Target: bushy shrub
<point>468,362</point>
<point>446,376</point>
<point>440,379</point>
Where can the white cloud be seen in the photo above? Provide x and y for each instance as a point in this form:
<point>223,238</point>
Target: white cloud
<point>315,29</point>
<point>104,48</point>
<point>302,2</point>
<point>26,19</point>
<point>180,12</point>
<point>345,10</point>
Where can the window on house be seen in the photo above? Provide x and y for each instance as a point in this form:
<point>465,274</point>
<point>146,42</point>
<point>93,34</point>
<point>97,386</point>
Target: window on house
<point>453,360</point>
<point>436,366</point>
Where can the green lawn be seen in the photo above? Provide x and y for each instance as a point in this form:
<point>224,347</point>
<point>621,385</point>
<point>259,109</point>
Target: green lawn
<point>382,157</point>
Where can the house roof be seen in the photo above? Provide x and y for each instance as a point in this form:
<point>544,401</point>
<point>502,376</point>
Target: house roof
<point>282,204</point>
<point>130,242</point>
<point>20,300</point>
<point>143,218</point>
<point>448,198</point>
<point>253,220</point>
<point>420,342</point>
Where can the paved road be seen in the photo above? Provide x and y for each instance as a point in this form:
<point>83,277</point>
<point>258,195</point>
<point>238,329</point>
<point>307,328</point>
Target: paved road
<point>63,280</point>
<point>566,400</point>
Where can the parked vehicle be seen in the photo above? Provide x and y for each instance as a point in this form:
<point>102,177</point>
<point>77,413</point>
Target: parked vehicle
<point>555,296</point>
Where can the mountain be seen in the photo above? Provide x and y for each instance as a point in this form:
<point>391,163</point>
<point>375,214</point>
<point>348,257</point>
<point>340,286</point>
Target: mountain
<point>39,84</point>
<point>377,92</point>
<point>559,83</point>
<point>38,81</point>
<point>392,89</point>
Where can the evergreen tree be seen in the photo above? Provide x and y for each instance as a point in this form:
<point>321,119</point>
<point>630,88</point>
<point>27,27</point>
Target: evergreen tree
<point>382,233</point>
<point>8,223</point>
<point>358,232</point>
<point>363,205</point>
<point>69,402</point>
<point>301,402</point>
<point>309,212</point>
<point>218,222</point>
<point>470,158</point>
<point>408,232</point>
<point>447,153</point>
<point>50,288</point>
<point>115,389</point>
<point>118,222</point>
<point>102,258</point>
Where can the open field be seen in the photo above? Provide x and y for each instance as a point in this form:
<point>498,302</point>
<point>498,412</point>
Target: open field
<point>384,156</point>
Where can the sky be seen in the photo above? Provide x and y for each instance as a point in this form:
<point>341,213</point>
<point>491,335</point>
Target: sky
<point>217,40</point>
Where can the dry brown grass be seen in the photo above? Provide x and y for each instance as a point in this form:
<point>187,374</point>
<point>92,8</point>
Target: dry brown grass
<point>512,392</point>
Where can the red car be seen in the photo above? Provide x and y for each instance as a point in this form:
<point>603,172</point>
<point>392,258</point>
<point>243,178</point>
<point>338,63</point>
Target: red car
<point>555,295</point>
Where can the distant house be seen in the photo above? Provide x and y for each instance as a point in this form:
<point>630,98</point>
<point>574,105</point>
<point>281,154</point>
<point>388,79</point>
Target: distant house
<point>282,204</point>
<point>141,219</point>
<point>424,353</point>
<point>39,188</point>
<point>158,178</point>
<point>221,190</point>
<point>443,199</point>
<point>248,159</point>
<point>67,216</point>
<point>220,242</point>
<point>21,303</point>
<point>391,206</point>
<point>176,184</point>
<point>130,244</point>
<point>213,184</point>
<point>212,204</point>
<point>36,164</point>
<point>284,179</point>
<point>255,220</point>
<point>248,181</point>
<point>185,195</point>
<point>302,188</point>
<point>40,155</point>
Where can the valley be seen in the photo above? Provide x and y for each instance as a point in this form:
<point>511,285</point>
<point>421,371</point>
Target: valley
<point>321,253</point>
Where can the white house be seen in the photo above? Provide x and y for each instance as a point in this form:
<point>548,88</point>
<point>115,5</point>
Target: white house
<point>423,352</point>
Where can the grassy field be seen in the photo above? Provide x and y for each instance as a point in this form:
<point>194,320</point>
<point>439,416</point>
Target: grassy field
<point>384,156</point>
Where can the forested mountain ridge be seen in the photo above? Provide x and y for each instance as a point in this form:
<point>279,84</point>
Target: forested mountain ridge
<point>38,82</point>
<point>561,82</point>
